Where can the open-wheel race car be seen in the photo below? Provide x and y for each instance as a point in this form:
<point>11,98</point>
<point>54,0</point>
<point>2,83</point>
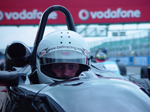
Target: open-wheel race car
<point>93,90</point>
<point>115,66</point>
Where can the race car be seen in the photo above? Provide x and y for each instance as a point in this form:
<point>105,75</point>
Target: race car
<point>97,89</point>
<point>115,66</point>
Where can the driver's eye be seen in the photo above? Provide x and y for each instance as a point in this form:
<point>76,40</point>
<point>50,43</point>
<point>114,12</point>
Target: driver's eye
<point>72,67</point>
<point>58,67</point>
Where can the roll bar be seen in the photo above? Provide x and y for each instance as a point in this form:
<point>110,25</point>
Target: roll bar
<point>42,25</point>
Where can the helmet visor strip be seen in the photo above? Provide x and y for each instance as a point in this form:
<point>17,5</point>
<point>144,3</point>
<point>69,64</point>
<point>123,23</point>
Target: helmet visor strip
<point>63,56</point>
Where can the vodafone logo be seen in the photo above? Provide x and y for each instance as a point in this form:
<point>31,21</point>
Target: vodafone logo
<point>84,14</point>
<point>119,13</point>
<point>1,15</point>
<point>25,15</point>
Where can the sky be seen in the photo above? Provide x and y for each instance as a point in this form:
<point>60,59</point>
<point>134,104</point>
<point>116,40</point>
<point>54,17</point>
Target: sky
<point>27,34</point>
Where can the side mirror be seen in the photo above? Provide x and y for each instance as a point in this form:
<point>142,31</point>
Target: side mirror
<point>93,59</point>
<point>17,54</point>
<point>9,78</point>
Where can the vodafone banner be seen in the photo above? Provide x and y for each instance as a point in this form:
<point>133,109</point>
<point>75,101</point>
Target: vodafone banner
<point>28,12</point>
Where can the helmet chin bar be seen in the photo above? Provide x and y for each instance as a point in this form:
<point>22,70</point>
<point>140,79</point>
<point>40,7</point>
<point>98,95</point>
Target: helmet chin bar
<point>50,78</point>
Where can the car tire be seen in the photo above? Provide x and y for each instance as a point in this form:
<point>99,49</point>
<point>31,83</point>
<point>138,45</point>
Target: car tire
<point>122,69</point>
<point>144,72</point>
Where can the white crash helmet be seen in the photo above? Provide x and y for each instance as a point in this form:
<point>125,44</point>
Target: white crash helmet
<point>61,47</point>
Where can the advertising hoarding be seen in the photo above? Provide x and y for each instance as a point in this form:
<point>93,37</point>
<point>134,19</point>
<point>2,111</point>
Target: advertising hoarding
<point>19,12</point>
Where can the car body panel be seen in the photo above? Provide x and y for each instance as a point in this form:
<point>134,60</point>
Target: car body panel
<point>100,70</point>
<point>92,95</point>
<point>110,65</point>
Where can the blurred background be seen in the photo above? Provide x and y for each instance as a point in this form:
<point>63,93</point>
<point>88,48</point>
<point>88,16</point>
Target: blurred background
<point>120,27</point>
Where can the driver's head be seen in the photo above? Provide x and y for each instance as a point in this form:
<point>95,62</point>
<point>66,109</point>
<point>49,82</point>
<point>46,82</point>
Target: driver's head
<point>100,57</point>
<point>62,55</point>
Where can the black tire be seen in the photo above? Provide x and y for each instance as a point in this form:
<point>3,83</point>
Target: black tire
<point>144,72</point>
<point>122,69</point>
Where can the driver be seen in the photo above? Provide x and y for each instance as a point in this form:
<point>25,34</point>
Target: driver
<point>62,55</point>
<point>100,57</point>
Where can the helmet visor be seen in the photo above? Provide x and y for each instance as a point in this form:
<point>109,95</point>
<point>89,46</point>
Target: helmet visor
<point>64,56</point>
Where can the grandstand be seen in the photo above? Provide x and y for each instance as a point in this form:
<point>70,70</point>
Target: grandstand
<point>131,45</point>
